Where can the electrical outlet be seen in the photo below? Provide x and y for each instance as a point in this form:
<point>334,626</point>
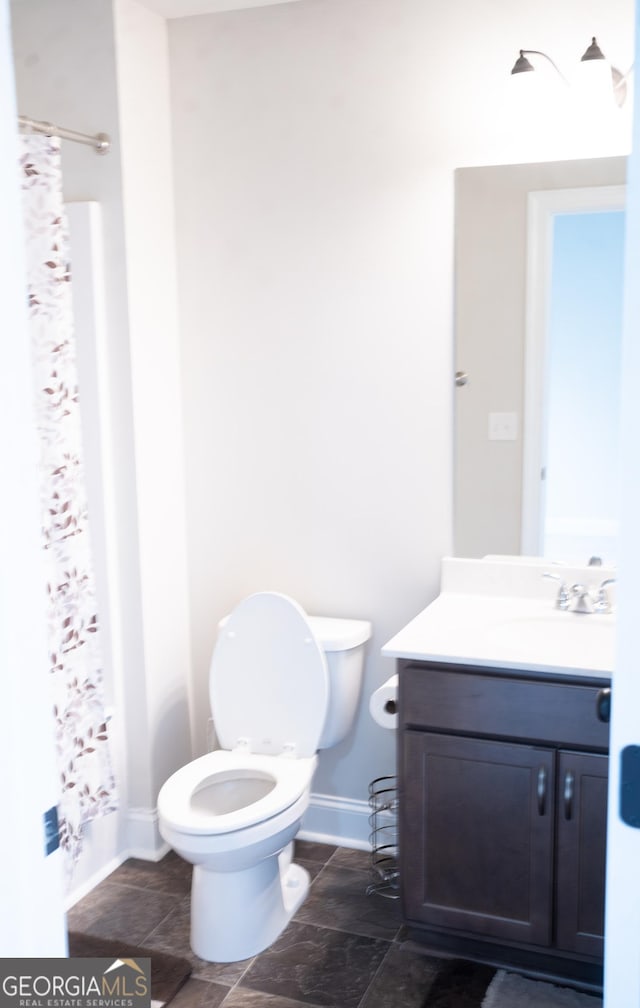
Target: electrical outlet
<point>51,830</point>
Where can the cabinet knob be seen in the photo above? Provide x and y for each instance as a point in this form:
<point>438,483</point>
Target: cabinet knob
<point>542,790</point>
<point>568,794</point>
<point>603,704</point>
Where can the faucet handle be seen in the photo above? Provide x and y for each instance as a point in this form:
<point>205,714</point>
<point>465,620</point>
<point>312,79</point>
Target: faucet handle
<point>602,603</point>
<point>563,597</point>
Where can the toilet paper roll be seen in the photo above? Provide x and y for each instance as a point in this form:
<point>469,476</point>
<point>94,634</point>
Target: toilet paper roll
<point>383,703</point>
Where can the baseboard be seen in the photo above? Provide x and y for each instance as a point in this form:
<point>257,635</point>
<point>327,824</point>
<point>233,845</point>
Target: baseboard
<point>98,876</point>
<point>343,822</point>
<point>143,841</point>
<point>329,819</point>
<point>143,835</point>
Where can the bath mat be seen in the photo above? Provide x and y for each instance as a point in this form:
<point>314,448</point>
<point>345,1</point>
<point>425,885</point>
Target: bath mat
<point>168,973</point>
<point>459,984</point>
<point>510,990</point>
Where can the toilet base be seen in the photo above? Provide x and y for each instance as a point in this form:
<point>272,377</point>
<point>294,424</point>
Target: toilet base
<point>235,915</point>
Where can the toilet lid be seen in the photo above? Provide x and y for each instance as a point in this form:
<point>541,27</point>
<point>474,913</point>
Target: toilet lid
<point>269,684</point>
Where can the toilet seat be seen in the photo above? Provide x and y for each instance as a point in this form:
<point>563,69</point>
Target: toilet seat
<point>268,681</point>
<point>199,798</point>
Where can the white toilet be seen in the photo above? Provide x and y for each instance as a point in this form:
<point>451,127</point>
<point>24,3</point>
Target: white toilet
<point>282,685</point>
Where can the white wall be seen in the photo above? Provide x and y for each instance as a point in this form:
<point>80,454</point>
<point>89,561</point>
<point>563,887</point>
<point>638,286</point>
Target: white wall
<point>160,723</point>
<point>315,145</point>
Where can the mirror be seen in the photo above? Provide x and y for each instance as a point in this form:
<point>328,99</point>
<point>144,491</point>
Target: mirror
<point>500,311</point>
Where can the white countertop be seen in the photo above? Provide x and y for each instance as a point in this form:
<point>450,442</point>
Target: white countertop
<point>502,615</point>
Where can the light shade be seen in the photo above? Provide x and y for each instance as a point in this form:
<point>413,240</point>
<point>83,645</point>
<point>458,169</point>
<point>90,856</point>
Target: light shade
<point>595,79</point>
<point>522,64</point>
<point>600,82</point>
<point>593,52</point>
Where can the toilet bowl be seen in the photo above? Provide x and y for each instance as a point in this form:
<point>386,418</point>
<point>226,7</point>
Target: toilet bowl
<point>281,685</point>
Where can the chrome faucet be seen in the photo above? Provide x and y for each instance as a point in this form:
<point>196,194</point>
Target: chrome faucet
<point>579,599</point>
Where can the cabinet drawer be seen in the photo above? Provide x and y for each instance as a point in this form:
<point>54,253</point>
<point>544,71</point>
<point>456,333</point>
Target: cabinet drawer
<point>442,699</point>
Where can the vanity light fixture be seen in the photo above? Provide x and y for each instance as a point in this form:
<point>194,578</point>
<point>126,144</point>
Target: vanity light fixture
<point>593,58</point>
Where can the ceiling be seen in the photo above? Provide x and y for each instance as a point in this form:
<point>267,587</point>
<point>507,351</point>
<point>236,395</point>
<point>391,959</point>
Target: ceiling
<point>187,8</point>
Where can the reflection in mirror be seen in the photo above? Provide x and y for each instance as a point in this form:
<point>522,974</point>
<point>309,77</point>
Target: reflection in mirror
<point>572,372</point>
<point>503,420</point>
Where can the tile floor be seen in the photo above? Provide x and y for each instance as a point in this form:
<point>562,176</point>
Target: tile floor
<point>343,949</point>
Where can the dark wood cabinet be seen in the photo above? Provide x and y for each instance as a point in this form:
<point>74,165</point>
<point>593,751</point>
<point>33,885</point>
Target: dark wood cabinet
<point>503,799</point>
<point>481,845</point>
<point>581,851</point>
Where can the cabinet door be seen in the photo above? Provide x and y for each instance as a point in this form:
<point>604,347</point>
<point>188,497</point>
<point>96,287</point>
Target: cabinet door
<point>476,836</point>
<point>582,836</point>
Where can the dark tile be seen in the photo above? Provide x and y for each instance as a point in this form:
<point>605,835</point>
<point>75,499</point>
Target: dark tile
<point>313,867</point>
<point>199,994</point>
<point>118,911</point>
<point>338,953</point>
<point>403,980</point>
<point>317,966</point>
<point>173,935</point>
<point>337,899</point>
<point>347,857</point>
<point>242,997</point>
<point>309,850</point>
<point>403,936</point>
<point>171,874</point>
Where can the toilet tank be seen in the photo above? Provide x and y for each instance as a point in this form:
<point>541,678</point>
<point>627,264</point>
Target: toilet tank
<point>343,642</point>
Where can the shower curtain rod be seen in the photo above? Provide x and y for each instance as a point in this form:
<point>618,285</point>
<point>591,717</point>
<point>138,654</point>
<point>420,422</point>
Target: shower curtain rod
<point>101,142</point>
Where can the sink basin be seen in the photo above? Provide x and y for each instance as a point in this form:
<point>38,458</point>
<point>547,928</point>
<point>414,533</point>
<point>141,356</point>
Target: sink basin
<point>578,640</point>
<point>499,615</point>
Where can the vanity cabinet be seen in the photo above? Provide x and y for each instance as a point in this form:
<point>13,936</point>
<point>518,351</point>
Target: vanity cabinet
<point>503,802</point>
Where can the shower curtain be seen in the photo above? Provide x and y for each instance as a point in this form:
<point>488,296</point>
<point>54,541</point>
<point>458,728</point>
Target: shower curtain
<point>87,787</point>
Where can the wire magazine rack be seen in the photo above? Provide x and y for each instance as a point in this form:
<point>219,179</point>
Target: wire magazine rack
<point>383,837</point>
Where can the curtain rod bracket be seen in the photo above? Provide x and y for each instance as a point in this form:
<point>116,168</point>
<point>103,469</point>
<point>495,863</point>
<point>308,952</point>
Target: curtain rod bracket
<point>102,143</point>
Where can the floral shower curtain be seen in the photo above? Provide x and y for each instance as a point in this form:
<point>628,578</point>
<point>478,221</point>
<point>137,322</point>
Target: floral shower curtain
<point>87,787</point>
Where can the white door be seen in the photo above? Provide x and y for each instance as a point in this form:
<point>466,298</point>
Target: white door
<point>32,922</point>
<point>622,925</point>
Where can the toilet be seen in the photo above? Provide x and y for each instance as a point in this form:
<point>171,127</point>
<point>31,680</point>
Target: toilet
<point>281,686</point>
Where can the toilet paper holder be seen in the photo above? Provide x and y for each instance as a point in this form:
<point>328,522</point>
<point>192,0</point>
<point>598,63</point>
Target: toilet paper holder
<point>383,703</point>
